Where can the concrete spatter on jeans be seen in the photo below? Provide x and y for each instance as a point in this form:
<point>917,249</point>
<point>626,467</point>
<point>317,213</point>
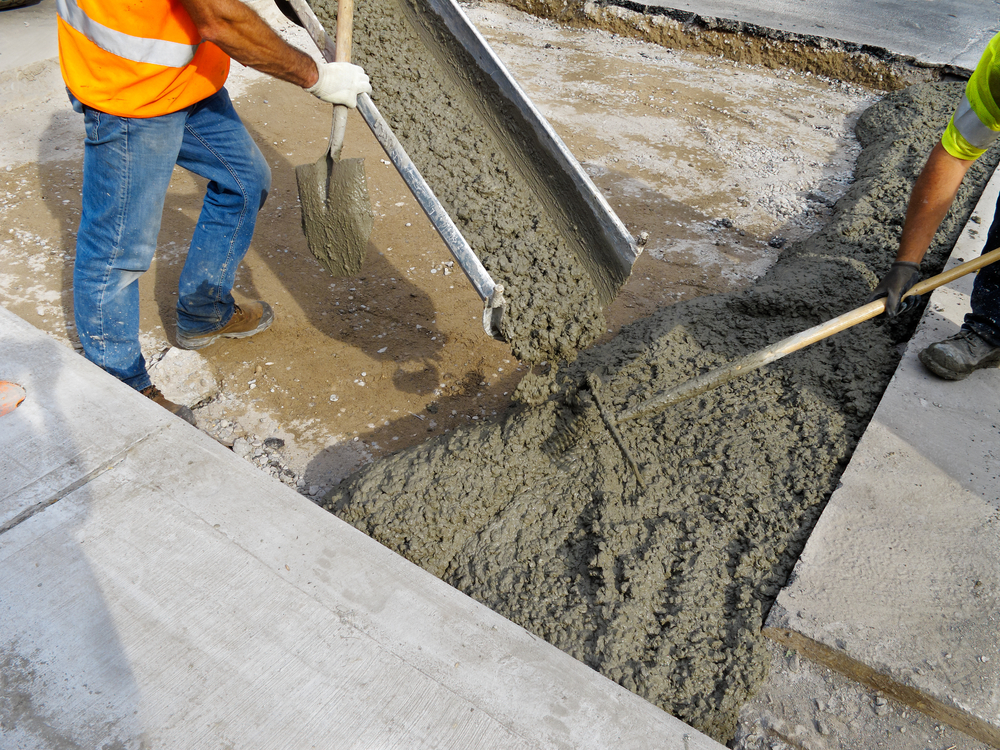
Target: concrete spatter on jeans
<point>664,591</point>
<point>127,167</point>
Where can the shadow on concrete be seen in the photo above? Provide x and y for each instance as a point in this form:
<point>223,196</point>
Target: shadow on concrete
<point>62,661</point>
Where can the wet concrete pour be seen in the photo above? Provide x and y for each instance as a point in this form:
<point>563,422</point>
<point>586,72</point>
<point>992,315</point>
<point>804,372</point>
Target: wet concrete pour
<point>664,589</point>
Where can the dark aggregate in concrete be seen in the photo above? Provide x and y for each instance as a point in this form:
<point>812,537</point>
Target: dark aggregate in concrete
<point>664,589</point>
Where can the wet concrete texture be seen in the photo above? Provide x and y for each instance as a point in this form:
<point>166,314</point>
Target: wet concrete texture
<point>460,142</point>
<point>664,589</point>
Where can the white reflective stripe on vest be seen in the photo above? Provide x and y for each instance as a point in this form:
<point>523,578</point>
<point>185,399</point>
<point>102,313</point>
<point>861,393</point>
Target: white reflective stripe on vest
<point>972,129</point>
<point>135,48</point>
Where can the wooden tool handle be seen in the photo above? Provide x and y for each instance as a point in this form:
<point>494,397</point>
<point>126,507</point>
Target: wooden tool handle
<point>946,277</point>
<point>342,53</point>
<point>751,362</point>
<point>345,30</point>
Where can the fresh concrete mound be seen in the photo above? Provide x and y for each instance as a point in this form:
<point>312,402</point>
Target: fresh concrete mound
<point>664,589</point>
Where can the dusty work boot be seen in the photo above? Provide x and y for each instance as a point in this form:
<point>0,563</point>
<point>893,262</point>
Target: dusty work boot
<point>957,357</point>
<point>252,318</point>
<point>153,394</point>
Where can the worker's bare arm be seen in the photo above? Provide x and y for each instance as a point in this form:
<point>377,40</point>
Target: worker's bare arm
<point>246,37</point>
<point>932,196</point>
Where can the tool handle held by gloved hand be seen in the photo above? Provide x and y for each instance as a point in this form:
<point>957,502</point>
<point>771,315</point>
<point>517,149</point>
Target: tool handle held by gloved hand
<point>340,83</point>
<point>345,31</point>
<point>340,53</point>
<point>783,348</point>
<point>901,277</point>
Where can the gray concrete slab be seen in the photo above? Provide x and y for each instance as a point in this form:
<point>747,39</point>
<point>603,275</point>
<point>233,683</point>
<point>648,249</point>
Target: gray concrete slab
<point>944,32</point>
<point>899,584</point>
<point>28,34</point>
<point>58,440</point>
<point>165,593</point>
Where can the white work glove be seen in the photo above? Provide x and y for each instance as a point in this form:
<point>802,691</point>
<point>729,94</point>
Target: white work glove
<point>340,83</point>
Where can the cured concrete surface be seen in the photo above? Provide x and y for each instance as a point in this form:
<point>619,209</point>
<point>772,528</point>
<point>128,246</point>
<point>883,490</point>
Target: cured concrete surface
<point>899,584</point>
<point>28,34</point>
<point>158,591</point>
<point>944,32</point>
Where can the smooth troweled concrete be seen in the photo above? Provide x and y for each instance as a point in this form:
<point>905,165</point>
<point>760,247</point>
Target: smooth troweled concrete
<point>899,584</point>
<point>157,591</point>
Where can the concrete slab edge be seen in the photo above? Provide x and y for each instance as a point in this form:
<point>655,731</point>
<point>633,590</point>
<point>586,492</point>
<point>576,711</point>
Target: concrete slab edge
<point>732,25</point>
<point>961,63</point>
<point>840,662</point>
<point>780,624</point>
<point>865,64</point>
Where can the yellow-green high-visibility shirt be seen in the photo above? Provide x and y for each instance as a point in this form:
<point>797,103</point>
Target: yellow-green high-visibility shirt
<point>976,122</point>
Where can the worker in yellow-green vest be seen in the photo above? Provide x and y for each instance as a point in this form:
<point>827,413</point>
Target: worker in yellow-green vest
<point>974,126</point>
<point>148,76</point>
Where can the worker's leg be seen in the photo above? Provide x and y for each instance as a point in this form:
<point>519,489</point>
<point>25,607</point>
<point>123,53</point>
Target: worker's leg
<point>977,344</point>
<point>127,163</point>
<point>985,316</point>
<point>218,147</point>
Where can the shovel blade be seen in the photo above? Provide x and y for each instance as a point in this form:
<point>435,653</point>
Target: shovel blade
<point>337,216</point>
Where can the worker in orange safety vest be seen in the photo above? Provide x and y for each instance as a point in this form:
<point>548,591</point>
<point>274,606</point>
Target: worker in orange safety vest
<point>148,76</point>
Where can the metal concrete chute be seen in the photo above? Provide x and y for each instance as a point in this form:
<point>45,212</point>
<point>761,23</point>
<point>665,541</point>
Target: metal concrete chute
<point>593,232</point>
<point>492,294</point>
<point>585,221</point>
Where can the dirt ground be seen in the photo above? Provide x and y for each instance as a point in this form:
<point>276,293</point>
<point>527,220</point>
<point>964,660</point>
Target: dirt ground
<point>711,158</point>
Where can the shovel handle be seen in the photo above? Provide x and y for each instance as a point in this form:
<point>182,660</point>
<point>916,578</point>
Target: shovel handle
<point>751,362</point>
<point>342,53</point>
<point>345,30</point>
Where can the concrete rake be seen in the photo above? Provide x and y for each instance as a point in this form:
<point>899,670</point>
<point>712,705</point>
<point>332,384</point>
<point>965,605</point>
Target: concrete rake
<point>567,435</point>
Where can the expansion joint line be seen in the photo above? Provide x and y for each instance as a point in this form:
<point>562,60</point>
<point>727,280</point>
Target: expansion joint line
<point>33,510</point>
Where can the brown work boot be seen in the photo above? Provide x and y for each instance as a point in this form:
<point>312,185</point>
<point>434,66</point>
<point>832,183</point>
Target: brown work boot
<point>957,357</point>
<point>153,394</point>
<point>251,318</point>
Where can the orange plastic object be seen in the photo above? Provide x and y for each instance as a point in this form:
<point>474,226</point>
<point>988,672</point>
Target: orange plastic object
<point>11,396</point>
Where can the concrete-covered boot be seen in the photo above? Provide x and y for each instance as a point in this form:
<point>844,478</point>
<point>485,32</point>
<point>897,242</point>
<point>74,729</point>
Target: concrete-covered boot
<point>959,356</point>
<point>153,394</point>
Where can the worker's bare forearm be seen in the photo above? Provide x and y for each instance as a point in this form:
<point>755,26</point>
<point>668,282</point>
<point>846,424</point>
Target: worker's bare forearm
<point>246,37</point>
<point>932,196</point>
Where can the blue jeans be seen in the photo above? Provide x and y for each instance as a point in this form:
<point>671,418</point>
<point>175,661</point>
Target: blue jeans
<point>127,164</point>
<point>985,316</point>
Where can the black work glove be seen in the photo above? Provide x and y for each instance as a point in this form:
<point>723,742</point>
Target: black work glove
<point>896,283</point>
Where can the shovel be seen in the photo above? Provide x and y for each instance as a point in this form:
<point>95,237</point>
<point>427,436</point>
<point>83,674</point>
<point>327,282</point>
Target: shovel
<point>337,216</point>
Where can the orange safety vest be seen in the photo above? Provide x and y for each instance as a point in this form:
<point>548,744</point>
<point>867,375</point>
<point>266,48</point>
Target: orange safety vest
<point>141,58</point>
